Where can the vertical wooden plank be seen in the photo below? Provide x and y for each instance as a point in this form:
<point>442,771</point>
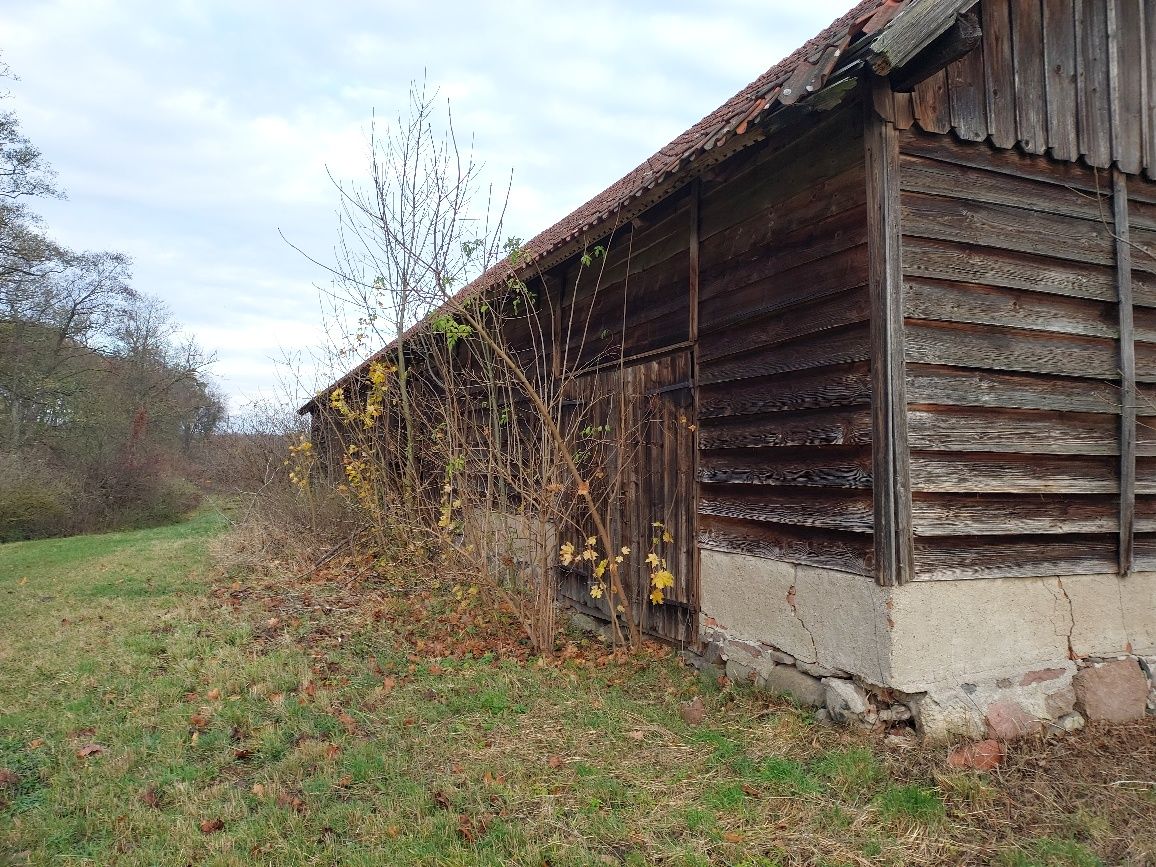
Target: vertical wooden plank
<point>1031,102</point>
<point>1094,117</point>
<point>966,95</point>
<point>1127,370</point>
<point>1148,41</point>
<point>891,491</point>
<point>929,102</point>
<point>999,74</point>
<point>904,111</point>
<point>1125,70</point>
<point>1060,78</point>
<point>692,560</point>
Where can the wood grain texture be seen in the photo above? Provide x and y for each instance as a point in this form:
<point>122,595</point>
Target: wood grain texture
<point>891,492</point>
<point>1031,108</point>
<point>999,74</point>
<point>1127,502</point>
<point>1060,78</point>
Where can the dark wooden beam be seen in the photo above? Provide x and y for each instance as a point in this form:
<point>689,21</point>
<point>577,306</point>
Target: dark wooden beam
<point>693,275</point>
<point>894,548</point>
<point>912,30</point>
<point>1127,370</point>
<point>961,37</point>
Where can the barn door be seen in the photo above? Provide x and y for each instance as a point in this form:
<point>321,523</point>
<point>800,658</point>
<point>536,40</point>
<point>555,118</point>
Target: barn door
<point>648,413</point>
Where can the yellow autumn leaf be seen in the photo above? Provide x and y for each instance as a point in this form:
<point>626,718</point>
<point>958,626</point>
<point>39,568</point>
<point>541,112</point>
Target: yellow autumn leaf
<point>656,597</point>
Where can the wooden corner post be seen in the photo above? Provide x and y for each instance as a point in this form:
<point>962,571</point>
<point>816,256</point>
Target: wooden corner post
<point>1127,369</point>
<point>891,475</point>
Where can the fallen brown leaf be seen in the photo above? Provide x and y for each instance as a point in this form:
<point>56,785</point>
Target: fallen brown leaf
<point>693,712</point>
<point>35,743</point>
<point>212,826</point>
<point>213,694</point>
<point>555,761</point>
<point>89,750</point>
<point>8,778</point>
<point>151,797</point>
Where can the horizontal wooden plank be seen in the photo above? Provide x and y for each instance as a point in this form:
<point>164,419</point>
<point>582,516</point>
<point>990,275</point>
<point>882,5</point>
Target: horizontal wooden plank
<point>829,347</point>
<point>833,311</point>
<point>961,387</point>
<point>984,472</point>
<point>1143,243</point>
<point>846,552</point>
<point>1019,431</point>
<point>813,428</point>
<point>1007,228</point>
<point>968,263</point>
<point>782,251</point>
<point>1007,514</point>
<point>954,558</point>
<point>841,385</point>
<point>824,202</point>
<point>839,272</point>
<point>1009,349</point>
<point>919,174</point>
<point>1144,552</point>
<point>829,467</point>
<point>948,301</point>
<point>848,511</point>
<point>982,155</point>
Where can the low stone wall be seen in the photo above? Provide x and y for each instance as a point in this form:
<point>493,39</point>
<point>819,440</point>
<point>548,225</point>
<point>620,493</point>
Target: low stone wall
<point>982,657</point>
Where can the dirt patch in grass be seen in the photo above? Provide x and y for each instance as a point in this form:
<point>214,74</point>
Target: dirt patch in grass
<point>357,716</point>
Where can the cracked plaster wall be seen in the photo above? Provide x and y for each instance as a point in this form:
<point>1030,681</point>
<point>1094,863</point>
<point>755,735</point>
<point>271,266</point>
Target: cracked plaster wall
<point>925,636</point>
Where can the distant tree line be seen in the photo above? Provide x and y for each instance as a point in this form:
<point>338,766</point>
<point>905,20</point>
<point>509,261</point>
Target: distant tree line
<point>102,402</point>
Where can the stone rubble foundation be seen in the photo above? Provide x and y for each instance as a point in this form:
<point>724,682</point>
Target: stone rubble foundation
<point>1049,701</point>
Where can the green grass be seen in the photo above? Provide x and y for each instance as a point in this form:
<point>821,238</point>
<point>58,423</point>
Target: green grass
<point>296,745</point>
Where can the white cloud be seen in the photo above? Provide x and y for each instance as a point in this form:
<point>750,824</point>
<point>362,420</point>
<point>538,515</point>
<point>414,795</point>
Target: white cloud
<point>189,133</point>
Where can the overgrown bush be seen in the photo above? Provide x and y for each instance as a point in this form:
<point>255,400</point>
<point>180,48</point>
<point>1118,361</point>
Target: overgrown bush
<point>35,499</point>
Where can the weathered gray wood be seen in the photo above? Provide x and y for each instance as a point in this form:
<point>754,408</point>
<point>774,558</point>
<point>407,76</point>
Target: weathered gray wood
<point>1126,84</point>
<point>1007,228</point>
<point>1092,84</point>
<point>847,552</point>
<point>950,559</point>
<point>980,388</point>
<point>1060,78</point>
<point>966,263</point>
<point>941,178</point>
<point>1005,515</point>
<point>814,428</point>
<point>1005,349</point>
<point>843,385</point>
<point>931,104</point>
<point>984,473</point>
<point>1148,63</point>
<point>999,74</point>
<point>1127,372</point>
<point>1030,99</point>
<point>960,38</point>
<point>966,96</point>
<point>849,511</point>
<point>1016,431</point>
<point>915,28</point>
<point>892,492</point>
<point>815,468</point>
<point>947,301</point>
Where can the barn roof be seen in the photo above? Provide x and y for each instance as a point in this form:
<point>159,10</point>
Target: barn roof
<point>839,51</point>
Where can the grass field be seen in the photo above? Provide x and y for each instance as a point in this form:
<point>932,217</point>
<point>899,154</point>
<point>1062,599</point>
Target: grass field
<point>153,714</point>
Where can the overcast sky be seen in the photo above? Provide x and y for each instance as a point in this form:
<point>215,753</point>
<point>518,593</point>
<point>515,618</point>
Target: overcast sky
<point>188,132</point>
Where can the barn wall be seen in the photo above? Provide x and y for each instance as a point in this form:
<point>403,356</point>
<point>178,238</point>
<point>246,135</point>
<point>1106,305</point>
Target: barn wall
<point>1013,361</point>
<point>1071,77</point>
<point>783,348</point>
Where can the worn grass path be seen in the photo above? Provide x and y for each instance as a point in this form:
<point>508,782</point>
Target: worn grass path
<point>145,722</point>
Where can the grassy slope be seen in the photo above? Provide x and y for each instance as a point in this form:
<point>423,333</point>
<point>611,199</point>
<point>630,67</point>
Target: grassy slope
<point>367,750</point>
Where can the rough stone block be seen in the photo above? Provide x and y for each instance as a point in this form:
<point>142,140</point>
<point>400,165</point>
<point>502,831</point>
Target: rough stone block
<point>1007,721</point>
<point>1113,691</point>
<point>806,690</point>
<point>844,699</point>
<point>1060,702</point>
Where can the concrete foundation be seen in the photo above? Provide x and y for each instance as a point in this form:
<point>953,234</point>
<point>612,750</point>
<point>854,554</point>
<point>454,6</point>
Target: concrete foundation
<point>972,657</point>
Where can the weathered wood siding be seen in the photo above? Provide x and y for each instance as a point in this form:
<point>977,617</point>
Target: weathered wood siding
<point>1013,361</point>
<point>631,296</point>
<point>783,352</point>
<point>1075,78</point>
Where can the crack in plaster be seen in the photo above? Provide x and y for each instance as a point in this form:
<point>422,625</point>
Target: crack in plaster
<point>1071,617</point>
<point>792,604</point>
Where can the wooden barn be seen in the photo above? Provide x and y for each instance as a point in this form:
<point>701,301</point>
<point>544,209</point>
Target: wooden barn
<point>900,292</point>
